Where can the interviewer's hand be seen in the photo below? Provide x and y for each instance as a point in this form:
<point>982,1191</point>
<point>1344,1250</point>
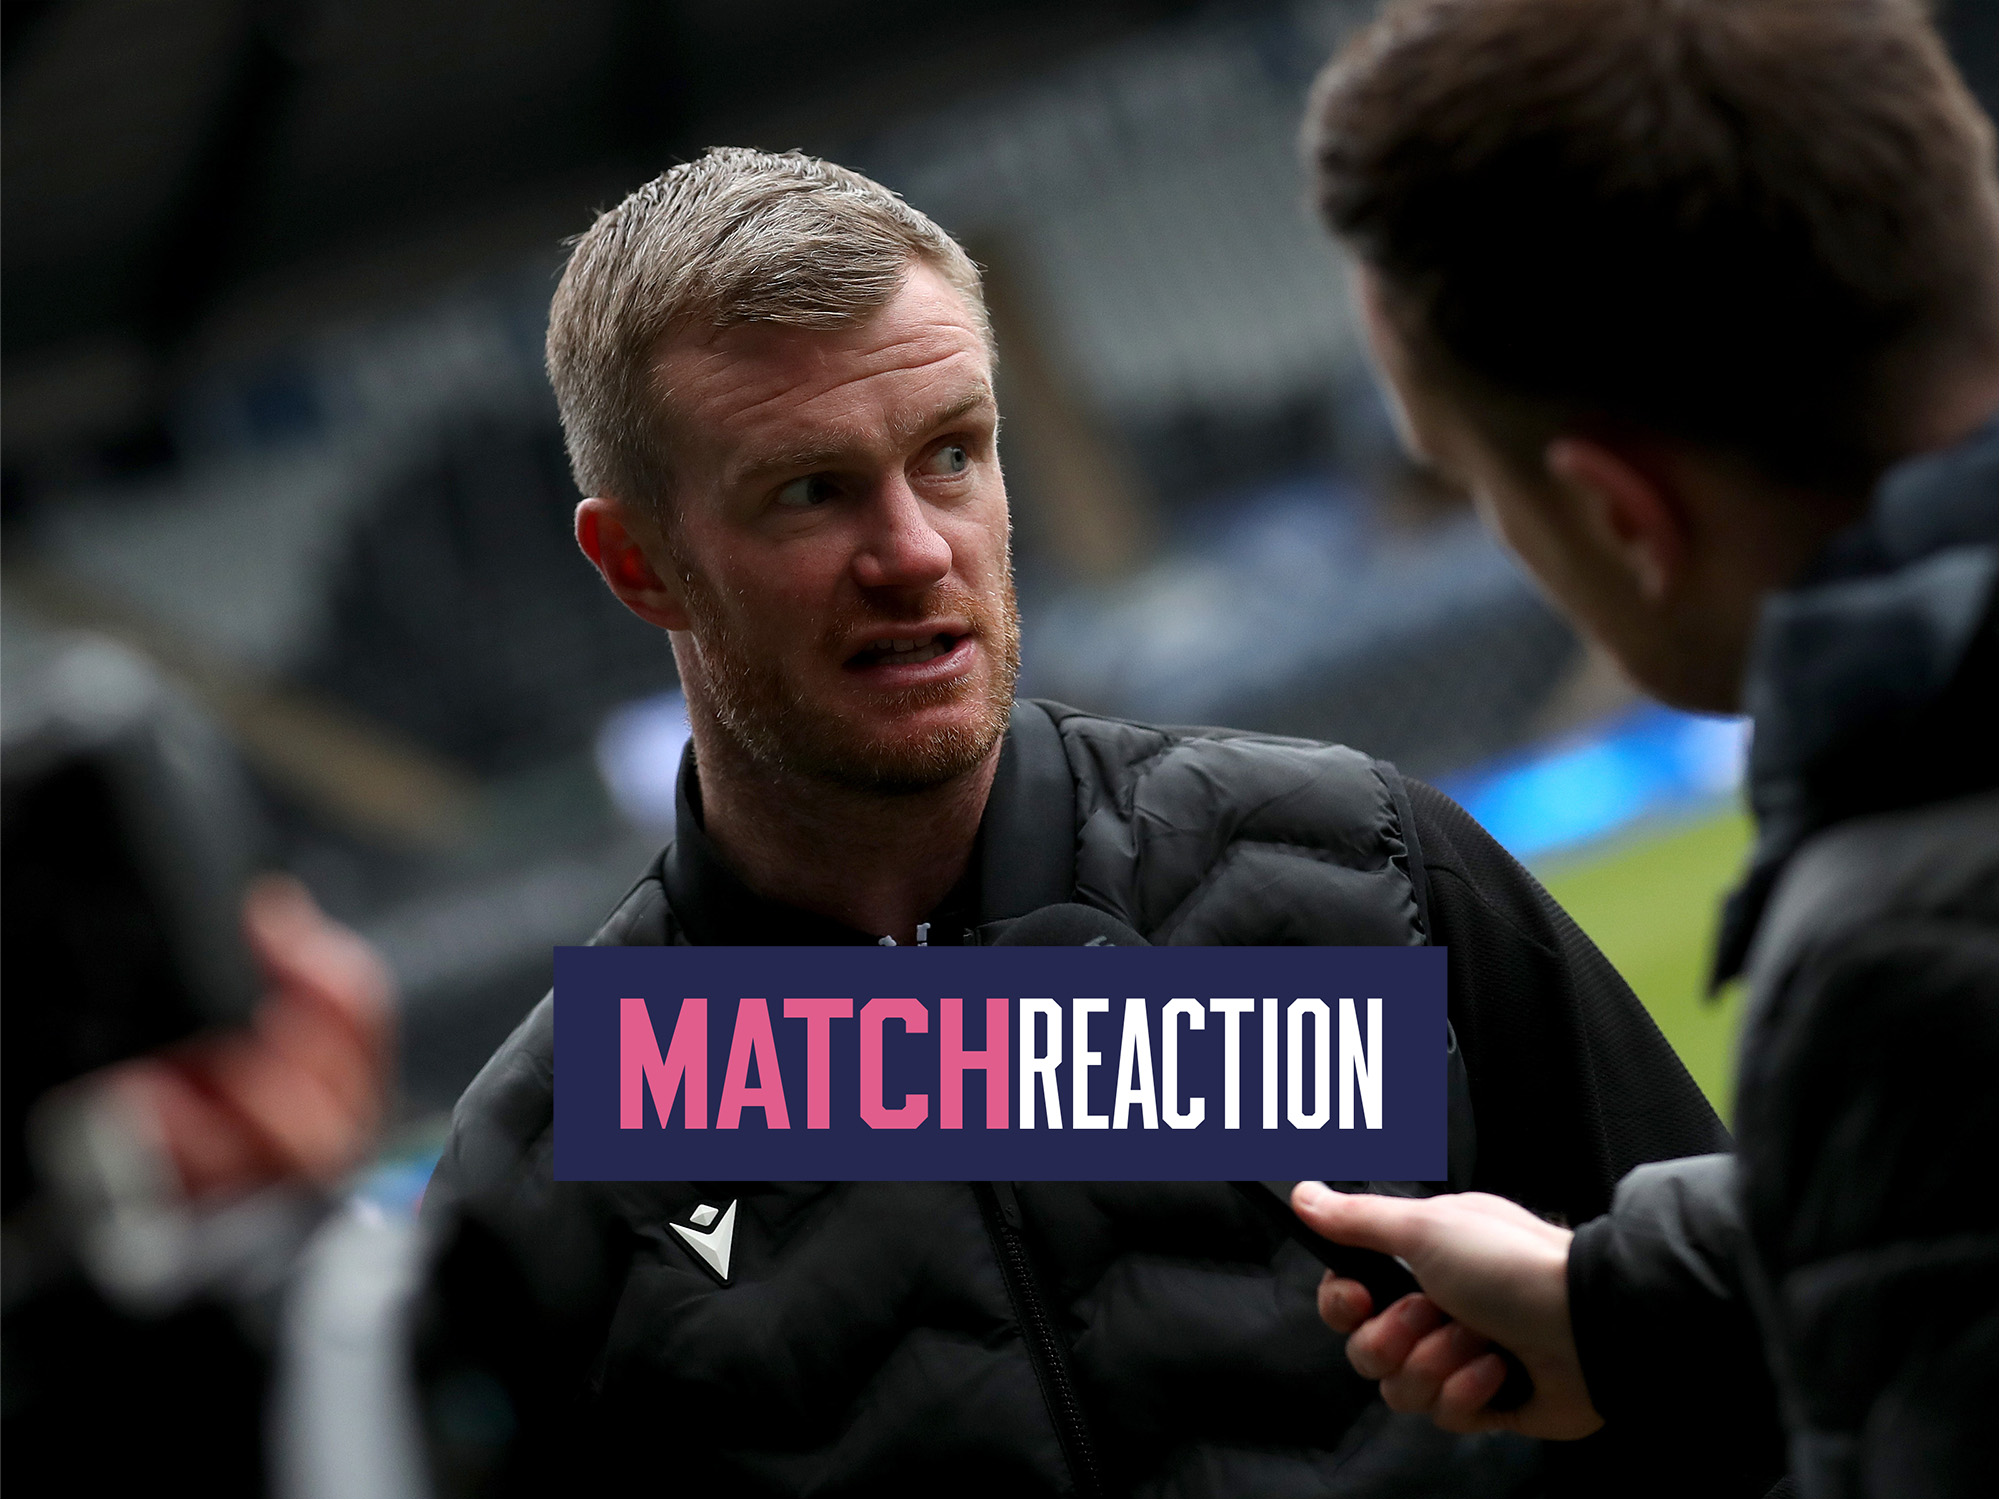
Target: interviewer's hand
<point>1492,1273</point>
<point>299,1094</point>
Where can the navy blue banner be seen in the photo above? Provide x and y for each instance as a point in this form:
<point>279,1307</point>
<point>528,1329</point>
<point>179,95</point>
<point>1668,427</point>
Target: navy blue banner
<point>1017,1064</point>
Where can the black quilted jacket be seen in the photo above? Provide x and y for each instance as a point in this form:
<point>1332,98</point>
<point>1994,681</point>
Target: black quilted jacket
<point>1032,1338</point>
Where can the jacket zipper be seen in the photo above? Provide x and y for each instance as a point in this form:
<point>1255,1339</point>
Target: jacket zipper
<point>1047,1350</point>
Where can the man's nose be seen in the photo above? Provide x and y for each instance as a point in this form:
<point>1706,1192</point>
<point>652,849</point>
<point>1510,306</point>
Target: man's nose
<point>900,548</point>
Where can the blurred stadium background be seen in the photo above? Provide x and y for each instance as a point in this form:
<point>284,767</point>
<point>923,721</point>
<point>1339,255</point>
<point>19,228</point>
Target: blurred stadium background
<point>276,274</point>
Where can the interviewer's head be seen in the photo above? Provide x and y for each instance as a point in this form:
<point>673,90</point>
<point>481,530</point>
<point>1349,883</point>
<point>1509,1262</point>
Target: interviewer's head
<point>1666,283</point>
<point>775,379</point>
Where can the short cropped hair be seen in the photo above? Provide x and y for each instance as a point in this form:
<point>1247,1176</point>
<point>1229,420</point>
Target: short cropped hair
<point>1752,224</point>
<point>735,236</point>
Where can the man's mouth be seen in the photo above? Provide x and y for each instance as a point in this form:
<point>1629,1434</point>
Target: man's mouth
<point>904,651</point>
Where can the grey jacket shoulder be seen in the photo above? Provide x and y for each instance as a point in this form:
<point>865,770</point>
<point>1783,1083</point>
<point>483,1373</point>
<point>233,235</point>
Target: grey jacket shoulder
<point>1868,1161</point>
<point>1206,836</point>
<point>1824,1269</point>
<point>1927,860</point>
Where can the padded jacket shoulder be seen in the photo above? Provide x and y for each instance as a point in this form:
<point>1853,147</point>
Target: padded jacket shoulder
<point>1208,836</point>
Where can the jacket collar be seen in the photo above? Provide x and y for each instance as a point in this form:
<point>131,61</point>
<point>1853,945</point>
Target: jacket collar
<point>1870,683</point>
<point>1025,856</point>
<point>1027,853</point>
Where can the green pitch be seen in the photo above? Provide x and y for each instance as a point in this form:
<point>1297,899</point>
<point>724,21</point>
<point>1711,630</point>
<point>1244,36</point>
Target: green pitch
<point>1650,901</point>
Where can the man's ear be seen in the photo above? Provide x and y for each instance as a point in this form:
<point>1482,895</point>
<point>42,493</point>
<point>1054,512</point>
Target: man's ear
<point>1631,507</point>
<point>606,539</point>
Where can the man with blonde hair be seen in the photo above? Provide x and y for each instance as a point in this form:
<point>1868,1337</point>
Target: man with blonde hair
<point>776,381</point>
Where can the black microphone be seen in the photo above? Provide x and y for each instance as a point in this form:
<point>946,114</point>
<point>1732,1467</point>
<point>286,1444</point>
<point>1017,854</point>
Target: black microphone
<point>1388,1280</point>
<point>1069,925</point>
<point>1072,925</point>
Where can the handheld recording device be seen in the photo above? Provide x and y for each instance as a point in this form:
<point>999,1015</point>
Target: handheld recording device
<point>1388,1280</point>
<point>128,837</point>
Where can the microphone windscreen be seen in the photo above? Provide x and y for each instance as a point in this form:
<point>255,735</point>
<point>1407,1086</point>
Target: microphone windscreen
<point>1069,926</point>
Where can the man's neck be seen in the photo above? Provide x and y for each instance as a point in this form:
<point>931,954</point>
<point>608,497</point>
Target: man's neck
<point>1763,536</point>
<point>878,862</point>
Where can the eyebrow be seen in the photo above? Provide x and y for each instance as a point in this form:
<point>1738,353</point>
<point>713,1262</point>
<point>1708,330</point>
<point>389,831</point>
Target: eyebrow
<point>826,455</point>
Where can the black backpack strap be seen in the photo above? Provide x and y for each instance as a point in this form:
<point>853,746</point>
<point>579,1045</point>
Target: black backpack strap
<point>1462,1131</point>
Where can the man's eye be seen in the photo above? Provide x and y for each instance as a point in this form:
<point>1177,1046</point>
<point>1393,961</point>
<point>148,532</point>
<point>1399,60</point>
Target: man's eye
<point>949,460</point>
<point>803,494</point>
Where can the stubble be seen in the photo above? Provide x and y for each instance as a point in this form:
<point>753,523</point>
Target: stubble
<point>777,724</point>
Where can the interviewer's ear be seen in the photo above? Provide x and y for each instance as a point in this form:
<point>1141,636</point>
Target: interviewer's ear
<point>1635,514</point>
<point>654,596</point>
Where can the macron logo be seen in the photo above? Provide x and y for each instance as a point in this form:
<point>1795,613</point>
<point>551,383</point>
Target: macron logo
<point>712,1245</point>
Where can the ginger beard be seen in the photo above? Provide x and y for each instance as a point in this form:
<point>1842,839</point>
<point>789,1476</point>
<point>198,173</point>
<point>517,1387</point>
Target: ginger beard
<point>755,700</point>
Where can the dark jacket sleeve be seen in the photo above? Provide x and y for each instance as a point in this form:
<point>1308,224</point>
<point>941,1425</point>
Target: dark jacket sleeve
<point>1572,1084</point>
<point>1665,1331</point>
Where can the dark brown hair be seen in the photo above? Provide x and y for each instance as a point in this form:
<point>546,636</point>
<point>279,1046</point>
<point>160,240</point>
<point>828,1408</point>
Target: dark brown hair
<point>1752,224</point>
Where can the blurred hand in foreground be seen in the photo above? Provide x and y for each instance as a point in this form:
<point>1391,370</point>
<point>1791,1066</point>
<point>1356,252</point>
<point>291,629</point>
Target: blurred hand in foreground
<point>1492,1273</point>
<point>299,1095</point>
